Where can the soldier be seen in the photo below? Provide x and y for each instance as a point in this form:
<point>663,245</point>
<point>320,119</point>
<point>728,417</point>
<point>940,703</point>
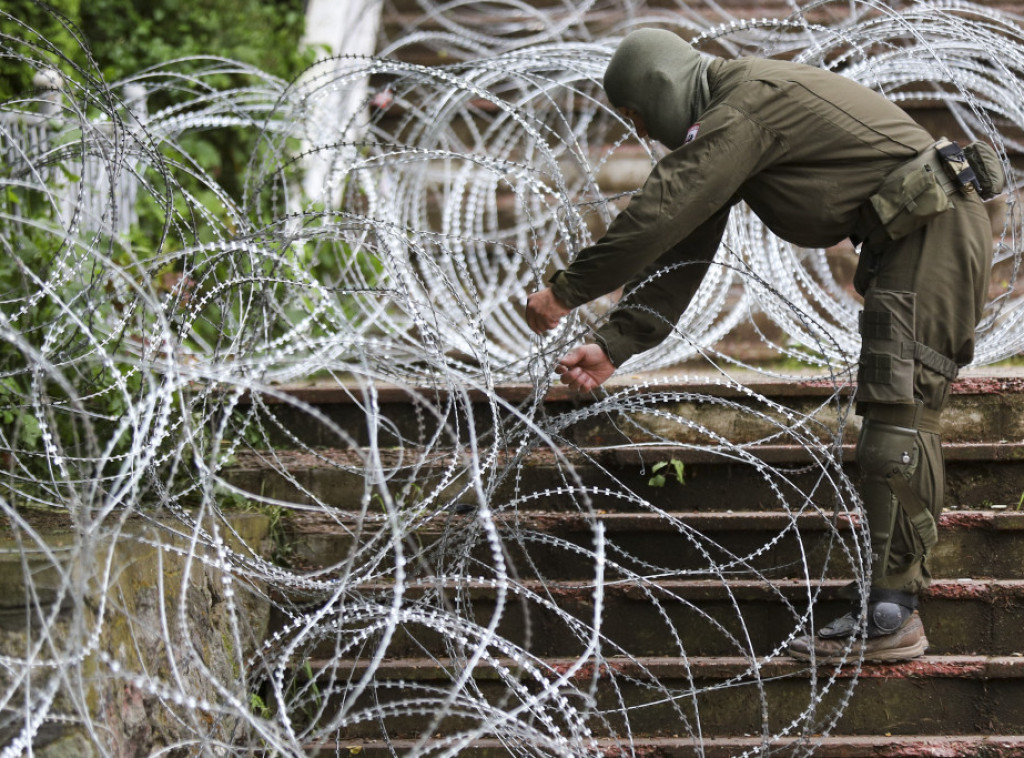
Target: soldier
<point>819,158</point>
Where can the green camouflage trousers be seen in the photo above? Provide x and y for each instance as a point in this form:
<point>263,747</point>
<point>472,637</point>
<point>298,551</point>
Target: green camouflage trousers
<point>923,298</point>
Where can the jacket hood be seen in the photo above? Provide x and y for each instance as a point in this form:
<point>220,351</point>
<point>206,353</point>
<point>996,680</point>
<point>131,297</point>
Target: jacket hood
<point>661,76</point>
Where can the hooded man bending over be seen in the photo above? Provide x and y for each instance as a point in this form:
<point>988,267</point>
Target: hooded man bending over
<point>819,158</point>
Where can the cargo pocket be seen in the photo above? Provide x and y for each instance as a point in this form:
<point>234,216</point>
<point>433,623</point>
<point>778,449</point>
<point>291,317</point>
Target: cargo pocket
<point>886,370</point>
<point>906,202</point>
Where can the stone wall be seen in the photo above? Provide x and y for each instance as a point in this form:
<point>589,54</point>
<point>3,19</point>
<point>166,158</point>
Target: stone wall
<point>84,632</point>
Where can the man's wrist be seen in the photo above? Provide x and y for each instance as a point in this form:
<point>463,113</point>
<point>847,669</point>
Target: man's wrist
<point>562,292</point>
<point>618,343</point>
<point>600,340</point>
<point>558,301</point>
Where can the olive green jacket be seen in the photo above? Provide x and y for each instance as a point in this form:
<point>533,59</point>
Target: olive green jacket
<point>804,148</point>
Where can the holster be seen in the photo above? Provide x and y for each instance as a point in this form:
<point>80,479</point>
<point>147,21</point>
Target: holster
<point>988,169</point>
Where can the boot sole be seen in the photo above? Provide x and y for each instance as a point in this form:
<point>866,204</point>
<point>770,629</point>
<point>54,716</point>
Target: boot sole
<point>878,656</point>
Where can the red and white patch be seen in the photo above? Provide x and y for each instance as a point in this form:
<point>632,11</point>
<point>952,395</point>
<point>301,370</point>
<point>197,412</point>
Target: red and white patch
<point>382,99</point>
<point>691,134</point>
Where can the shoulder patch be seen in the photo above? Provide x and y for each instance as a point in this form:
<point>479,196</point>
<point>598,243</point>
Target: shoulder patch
<point>691,134</point>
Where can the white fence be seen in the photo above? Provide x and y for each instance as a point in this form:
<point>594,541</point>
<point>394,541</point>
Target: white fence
<point>82,166</point>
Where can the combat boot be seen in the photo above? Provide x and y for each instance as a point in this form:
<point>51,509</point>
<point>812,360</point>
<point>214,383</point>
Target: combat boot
<point>893,632</point>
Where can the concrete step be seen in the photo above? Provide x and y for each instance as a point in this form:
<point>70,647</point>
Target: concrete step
<point>880,746</point>
<point>705,410</point>
<point>722,435</point>
<point>613,479</point>
<point>695,648</point>
<point>681,697</point>
<point>766,545</point>
<point>677,617</point>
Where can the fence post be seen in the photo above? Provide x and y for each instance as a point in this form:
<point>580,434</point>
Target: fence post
<point>343,26</point>
<point>52,84</point>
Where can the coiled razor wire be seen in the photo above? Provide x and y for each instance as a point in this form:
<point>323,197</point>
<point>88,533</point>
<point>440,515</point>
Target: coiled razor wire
<point>202,559</point>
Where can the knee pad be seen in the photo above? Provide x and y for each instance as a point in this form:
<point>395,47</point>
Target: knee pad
<point>888,457</point>
<point>885,450</point>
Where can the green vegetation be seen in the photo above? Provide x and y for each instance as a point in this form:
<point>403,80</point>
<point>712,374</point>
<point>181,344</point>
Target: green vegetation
<point>93,44</point>
<point>282,549</point>
<point>663,470</point>
<point>108,40</point>
<point>123,38</point>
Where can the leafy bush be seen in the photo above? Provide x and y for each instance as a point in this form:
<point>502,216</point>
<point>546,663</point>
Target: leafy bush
<point>94,44</point>
<point>112,40</point>
<point>125,38</point>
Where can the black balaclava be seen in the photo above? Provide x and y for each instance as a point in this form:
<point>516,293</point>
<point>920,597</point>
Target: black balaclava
<point>663,78</point>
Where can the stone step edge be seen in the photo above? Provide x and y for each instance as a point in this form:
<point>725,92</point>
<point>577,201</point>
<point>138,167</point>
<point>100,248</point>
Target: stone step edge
<point>987,590</point>
<point>952,451</point>
<point>666,668</point>
<point>353,392</point>
<point>881,746</point>
<point>341,522</point>
<point>332,458</point>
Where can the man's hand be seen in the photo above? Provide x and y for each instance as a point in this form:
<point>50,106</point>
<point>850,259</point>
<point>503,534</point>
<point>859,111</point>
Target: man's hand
<point>585,368</point>
<point>544,311</point>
